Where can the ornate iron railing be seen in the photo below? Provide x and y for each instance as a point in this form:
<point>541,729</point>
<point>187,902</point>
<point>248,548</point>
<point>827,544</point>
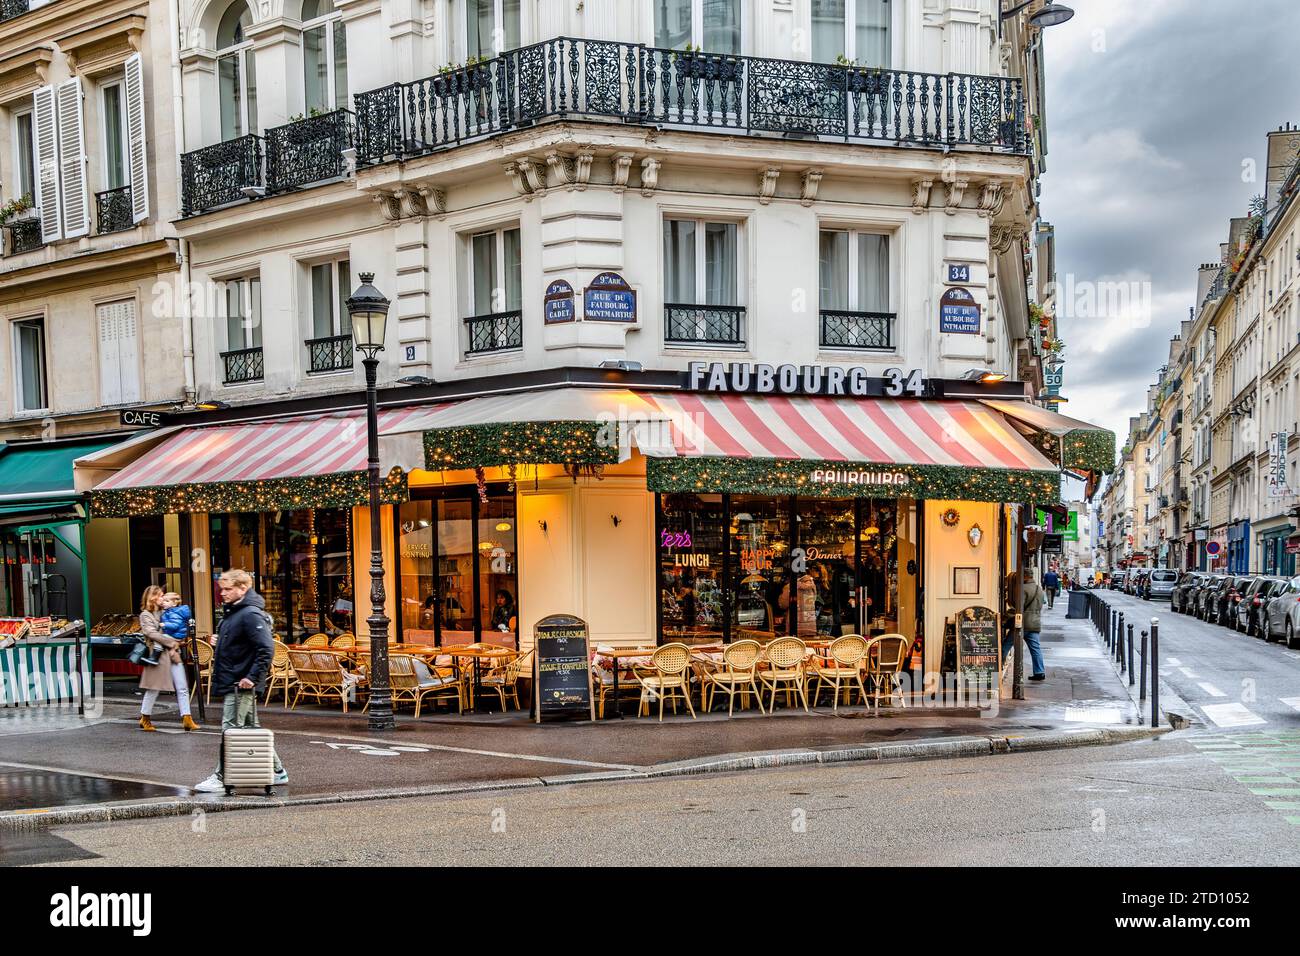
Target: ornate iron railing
<point>243,365</point>
<point>704,324</point>
<point>218,174</point>
<point>24,236</point>
<point>308,151</point>
<point>113,208</point>
<point>495,333</point>
<point>13,8</point>
<point>332,353</point>
<point>629,82</point>
<point>857,330</point>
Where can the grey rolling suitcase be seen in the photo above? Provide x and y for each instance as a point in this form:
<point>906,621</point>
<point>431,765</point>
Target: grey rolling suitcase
<point>248,759</point>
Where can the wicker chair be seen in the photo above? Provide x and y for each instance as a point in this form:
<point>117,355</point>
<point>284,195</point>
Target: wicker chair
<point>345,641</point>
<point>843,671</point>
<point>203,667</point>
<point>885,658</point>
<point>737,676</point>
<point>320,675</point>
<point>317,640</point>
<point>786,656</point>
<point>504,679</point>
<point>281,675</point>
<point>670,676</point>
<point>411,680</point>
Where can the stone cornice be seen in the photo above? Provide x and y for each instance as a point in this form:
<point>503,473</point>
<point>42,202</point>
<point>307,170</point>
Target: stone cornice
<point>21,75</point>
<point>62,18</point>
<point>104,46</point>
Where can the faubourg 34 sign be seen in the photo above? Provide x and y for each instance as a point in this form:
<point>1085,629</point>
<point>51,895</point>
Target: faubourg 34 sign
<point>761,379</point>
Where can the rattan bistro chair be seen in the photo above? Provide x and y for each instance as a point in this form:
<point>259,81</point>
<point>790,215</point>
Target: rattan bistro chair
<point>281,674</point>
<point>504,679</point>
<point>885,657</point>
<point>317,640</point>
<point>203,667</point>
<point>320,676</point>
<point>843,671</point>
<point>345,641</point>
<point>669,677</point>
<point>736,676</point>
<point>411,680</point>
<point>786,657</point>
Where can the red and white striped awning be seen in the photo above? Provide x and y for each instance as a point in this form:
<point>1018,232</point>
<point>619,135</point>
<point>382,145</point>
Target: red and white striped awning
<point>257,451</point>
<point>870,430</point>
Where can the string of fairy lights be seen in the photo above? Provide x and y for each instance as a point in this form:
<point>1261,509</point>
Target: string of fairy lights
<point>340,490</point>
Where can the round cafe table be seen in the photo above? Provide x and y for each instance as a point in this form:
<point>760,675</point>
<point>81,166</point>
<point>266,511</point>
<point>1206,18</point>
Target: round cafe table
<point>477,654</point>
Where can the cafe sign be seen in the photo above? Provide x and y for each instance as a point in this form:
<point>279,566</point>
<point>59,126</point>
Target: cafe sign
<point>762,379</point>
<point>562,672</point>
<point>979,646</point>
<point>609,299</point>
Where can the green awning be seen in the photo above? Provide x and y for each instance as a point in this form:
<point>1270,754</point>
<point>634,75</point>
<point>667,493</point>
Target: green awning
<point>41,468</point>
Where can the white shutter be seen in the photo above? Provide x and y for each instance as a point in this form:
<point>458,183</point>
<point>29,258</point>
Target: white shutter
<point>72,160</point>
<point>110,376</point>
<point>135,137</point>
<point>46,131</point>
<point>128,351</point>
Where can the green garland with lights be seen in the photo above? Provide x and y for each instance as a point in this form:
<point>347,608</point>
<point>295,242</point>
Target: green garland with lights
<point>341,490</point>
<point>777,476</point>
<point>521,443</point>
<point>1086,449</point>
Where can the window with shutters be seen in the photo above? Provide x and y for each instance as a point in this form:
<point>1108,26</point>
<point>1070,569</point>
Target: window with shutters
<point>24,142</point>
<point>113,121</point>
<point>30,394</point>
<point>119,353</point>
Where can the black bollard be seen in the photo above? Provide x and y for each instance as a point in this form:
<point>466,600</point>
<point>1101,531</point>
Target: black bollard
<point>1119,644</point>
<point>1142,685</point>
<point>1130,655</point>
<point>1155,672</point>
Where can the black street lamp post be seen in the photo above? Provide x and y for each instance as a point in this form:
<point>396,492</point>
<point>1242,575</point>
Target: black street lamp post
<point>369,312</point>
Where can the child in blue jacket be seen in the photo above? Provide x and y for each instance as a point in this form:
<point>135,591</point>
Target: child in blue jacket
<point>176,617</point>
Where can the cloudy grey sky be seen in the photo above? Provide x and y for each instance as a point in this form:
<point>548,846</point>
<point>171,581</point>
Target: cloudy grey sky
<point>1152,107</point>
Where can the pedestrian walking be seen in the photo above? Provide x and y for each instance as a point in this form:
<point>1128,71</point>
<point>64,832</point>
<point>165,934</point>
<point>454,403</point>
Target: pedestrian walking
<point>168,675</point>
<point>1031,624</point>
<point>1052,585</point>
<point>244,648</point>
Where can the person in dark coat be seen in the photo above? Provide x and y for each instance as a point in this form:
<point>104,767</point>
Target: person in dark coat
<point>244,649</point>
<point>1052,585</point>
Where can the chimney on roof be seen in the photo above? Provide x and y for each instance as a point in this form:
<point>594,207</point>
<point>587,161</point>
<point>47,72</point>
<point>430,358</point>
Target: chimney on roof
<point>1283,150</point>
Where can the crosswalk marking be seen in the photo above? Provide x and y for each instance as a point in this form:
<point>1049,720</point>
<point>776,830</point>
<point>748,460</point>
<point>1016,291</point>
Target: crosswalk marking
<point>1188,673</point>
<point>1256,758</point>
<point>1232,715</point>
<point>1292,702</point>
<point>1173,660</point>
<point>1211,690</point>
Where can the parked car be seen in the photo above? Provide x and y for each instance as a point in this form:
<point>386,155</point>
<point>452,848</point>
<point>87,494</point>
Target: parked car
<point>1250,609</point>
<point>1205,594</point>
<point>1229,596</point>
<point>1161,583</point>
<point>1180,596</point>
<point>1117,580</point>
<point>1282,618</point>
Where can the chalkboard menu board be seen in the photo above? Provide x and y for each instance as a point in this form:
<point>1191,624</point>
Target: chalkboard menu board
<point>563,671</point>
<point>979,645</point>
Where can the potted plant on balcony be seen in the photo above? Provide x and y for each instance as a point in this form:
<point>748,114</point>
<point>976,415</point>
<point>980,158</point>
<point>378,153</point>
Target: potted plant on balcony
<point>693,63</point>
<point>871,81</point>
<point>18,209</point>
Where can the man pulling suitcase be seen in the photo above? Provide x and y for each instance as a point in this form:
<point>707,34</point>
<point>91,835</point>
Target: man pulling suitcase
<point>244,650</point>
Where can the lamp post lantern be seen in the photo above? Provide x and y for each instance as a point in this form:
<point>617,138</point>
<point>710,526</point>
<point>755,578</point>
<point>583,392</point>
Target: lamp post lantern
<point>368,310</point>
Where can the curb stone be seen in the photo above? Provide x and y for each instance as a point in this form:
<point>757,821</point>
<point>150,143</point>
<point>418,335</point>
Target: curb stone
<point>34,821</point>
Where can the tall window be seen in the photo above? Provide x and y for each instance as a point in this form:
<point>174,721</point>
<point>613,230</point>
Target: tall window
<point>324,57</point>
<point>331,283</point>
<point>857,30</point>
<point>496,272</point>
<point>492,27</point>
<point>24,156</point>
<point>243,317</point>
<point>29,365</point>
<point>236,73</point>
<point>854,271</point>
<point>702,263</point>
<point>115,148</point>
<point>712,25</point>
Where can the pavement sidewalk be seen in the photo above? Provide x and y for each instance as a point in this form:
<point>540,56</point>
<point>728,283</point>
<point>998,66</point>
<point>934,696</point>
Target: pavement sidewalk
<point>56,768</point>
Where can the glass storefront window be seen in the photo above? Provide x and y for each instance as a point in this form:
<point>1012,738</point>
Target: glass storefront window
<point>419,586</point>
<point>760,566</point>
<point>691,550</point>
<point>497,587</point>
<point>826,537</point>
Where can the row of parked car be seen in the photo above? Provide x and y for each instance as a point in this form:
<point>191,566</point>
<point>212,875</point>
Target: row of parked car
<point>1260,605</point>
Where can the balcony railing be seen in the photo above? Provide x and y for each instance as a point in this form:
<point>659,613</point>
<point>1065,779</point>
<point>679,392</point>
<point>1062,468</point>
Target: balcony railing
<point>218,174</point>
<point>113,210</point>
<point>242,365</point>
<point>333,353</point>
<point>626,82</point>
<point>308,151</point>
<point>13,8</point>
<point>704,324</point>
<point>24,236</point>
<point>496,332</point>
<point>857,330</point>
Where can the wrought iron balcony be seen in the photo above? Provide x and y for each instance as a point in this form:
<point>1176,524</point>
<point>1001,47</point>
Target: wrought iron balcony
<point>242,365</point>
<point>24,236</point>
<point>632,83</point>
<point>13,8</point>
<point>217,175</point>
<point>113,208</point>
<point>857,330</point>
<point>496,332</point>
<point>333,353</point>
<point>308,151</point>
<point>704,324</point>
